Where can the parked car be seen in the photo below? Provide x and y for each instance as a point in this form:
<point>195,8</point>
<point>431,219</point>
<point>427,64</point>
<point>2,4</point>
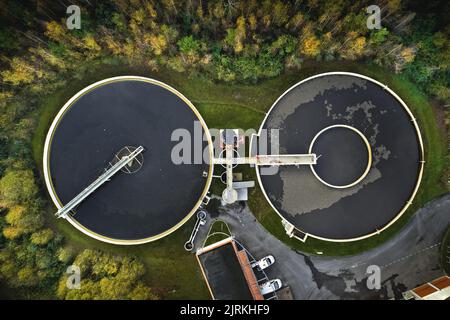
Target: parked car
<point>270,286</point>
<point>264,263</point>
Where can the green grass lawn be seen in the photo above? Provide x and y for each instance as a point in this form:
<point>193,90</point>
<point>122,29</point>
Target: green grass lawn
<point>219,230</point>
<point>173,272</point>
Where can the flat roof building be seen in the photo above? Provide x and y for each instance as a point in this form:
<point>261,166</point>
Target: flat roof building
<point>227,271</point>
<point>438,289</point>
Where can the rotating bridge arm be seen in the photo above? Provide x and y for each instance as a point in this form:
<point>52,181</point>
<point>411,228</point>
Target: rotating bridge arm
<point>106,176</point>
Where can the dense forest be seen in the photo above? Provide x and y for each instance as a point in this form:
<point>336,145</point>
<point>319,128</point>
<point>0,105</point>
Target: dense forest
<point>221,40</point>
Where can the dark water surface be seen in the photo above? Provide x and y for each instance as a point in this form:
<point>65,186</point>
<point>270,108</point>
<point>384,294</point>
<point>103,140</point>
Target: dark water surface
<point>95,128</point>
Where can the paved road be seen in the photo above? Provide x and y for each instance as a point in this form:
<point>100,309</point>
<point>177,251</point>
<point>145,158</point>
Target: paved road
<point>407,260</point>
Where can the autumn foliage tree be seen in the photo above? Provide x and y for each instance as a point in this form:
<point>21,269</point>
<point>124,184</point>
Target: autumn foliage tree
<point>105,276</point>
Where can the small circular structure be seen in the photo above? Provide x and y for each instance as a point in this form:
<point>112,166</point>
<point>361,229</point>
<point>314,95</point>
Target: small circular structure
<point>201,215</point>
<point>229,195</point>
<point>344,156</point>
<point>133,166</point>
<point>188,246</point>
<point>223,153</point>
<point>108,120</point>
<point>350,194</point>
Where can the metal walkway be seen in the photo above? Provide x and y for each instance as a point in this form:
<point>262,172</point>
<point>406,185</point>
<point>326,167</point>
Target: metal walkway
<point>230,195</point>
<point>271,160</point>
<point>63,212</point>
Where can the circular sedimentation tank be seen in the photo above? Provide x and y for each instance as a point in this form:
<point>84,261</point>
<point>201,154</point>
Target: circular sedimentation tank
<point>369,157</point>
<point>105,121</point>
